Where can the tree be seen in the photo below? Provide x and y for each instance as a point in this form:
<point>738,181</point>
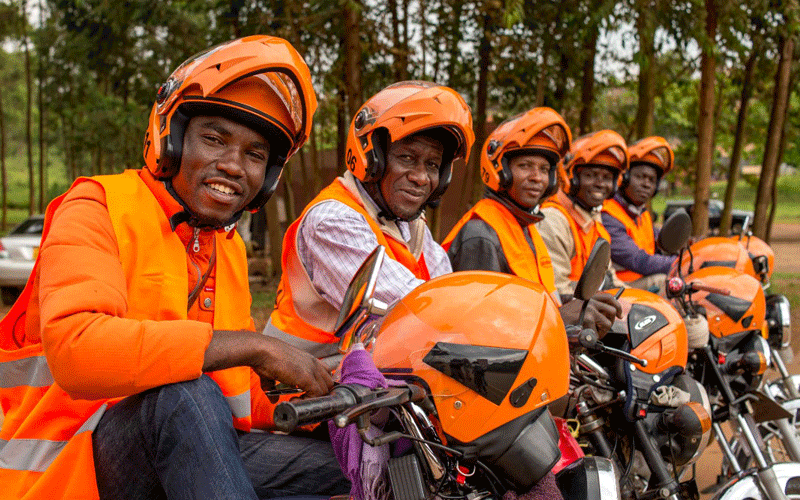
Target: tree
<point>705,126</point>
<point>769,166</point>
<point>736,153</point>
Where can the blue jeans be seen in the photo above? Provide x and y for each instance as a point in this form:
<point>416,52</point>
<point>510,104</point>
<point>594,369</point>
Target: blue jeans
<point>178,441</point>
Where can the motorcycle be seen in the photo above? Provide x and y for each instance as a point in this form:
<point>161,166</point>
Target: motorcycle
<point>472,360</point>
<point>752,256</point>
<point>633,403</point>
<point>731,367</point>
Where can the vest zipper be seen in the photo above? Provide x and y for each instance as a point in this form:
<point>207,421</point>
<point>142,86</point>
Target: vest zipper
<point>196,244</point>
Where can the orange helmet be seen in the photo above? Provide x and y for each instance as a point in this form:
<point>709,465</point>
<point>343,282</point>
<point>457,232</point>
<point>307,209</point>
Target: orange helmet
<point>741,311</point>
<point>502,332</point>
<point>540,130</point>
<point>761,255</point>
<point>401,110</point>
<point>655,330</point>
<point>491,351</point>
<point>258,81</point>
<point>604,148</point>
<point>717,251</point>
<point>651,151</point>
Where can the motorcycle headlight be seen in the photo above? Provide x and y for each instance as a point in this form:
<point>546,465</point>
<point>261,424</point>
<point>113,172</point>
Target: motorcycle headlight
<point>689,429</point>
<point>779,319</point>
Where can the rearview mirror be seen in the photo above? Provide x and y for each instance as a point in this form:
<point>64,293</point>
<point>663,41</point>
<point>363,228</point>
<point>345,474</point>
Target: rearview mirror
<point>359,302</point>
<point>594,271</point>
<point>675,232</point>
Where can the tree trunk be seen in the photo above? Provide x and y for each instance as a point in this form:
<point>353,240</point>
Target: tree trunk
<point>561,81</point>
<point>341,127</point>
<point>42,148</point>
<point>316,170</point>
<point>352,56</point>
<point>28,110</point>
<point>782,148</point>
<point>404,48</point>
<point>645,110</point>
<point>769,165</point>
<point>391,6</point>
<point>541,80</point>
<point>40,100</point>
<point>705,126</point>
<point>423,40</point>
<point>738,141</point>
<point>452,44</point>
<point>288,196</point>
<point>274,232</point>
<point>473,181</point>
<point>3,174</point>
<point>587,85</point>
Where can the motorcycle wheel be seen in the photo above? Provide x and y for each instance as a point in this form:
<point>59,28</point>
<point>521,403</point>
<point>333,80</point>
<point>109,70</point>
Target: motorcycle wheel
<point>747,487</point>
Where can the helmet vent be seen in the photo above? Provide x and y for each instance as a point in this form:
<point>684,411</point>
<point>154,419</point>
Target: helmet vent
<point>489,371</point>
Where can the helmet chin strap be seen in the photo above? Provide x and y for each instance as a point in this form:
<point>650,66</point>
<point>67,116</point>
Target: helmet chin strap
<point>191,218</point>
<point>374,191</point>
<point>524,215</point>
<point>578,201</point>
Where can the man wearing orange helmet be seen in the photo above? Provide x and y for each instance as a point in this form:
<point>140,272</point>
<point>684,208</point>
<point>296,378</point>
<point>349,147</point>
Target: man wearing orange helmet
<point>628,221</point>
<point>572,223</point>
<point>518,167</point>
<point>130,366</point>
<point>400,150</point>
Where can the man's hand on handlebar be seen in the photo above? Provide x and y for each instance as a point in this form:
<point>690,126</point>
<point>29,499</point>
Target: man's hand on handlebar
<point>599,316</point>
<point>270,358</point>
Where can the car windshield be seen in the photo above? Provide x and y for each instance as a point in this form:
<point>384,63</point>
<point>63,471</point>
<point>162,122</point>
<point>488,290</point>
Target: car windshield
<point>30,226</point>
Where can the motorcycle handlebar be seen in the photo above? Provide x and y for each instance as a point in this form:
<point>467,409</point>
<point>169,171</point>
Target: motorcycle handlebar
<point>289,415</point>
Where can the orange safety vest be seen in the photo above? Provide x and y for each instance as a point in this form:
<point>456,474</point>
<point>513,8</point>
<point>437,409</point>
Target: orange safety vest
<point>640,231</point>
<point>583,241</point>
<point>299,310</point>
<point>533,264</point>
<point>45,441</point>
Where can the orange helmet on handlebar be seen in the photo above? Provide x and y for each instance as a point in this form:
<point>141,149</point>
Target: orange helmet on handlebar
<point>259,81</point>
<point>491,351</point>
<point>539,130</point>
<point>604,148</point>
<point>401,110</point>
<point>716,251</point>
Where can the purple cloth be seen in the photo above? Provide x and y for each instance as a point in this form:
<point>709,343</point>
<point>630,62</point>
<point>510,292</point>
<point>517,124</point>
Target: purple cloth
<point>627,254</point>
<point>545,489</point>
<point>362,464</point>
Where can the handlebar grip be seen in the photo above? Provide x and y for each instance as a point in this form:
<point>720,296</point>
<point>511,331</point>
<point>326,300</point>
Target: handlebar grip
<point>291,414</point>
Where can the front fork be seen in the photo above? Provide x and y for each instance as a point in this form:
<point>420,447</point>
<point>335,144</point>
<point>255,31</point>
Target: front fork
<point>767,479</point>
<point>791,389</point>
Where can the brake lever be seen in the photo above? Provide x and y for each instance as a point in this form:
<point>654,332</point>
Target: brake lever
<point>394,396</point>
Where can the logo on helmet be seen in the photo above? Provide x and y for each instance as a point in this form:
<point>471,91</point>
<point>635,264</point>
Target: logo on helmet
<point>648,320</point>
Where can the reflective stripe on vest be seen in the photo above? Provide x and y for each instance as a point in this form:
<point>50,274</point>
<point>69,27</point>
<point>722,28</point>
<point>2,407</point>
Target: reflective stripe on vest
<point>640,231</point>
<point>37,454</point>
<point>32,372</point>
<point>299,309</point>
<point>533,264</point>
<point>583,241</point>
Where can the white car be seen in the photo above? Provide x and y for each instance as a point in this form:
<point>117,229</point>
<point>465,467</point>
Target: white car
<point>18,252</point>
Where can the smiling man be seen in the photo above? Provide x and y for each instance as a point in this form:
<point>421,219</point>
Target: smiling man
<point>400,150</point>
<point>628,221</point>
<point>130,364</point>
<point>572,221</point>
